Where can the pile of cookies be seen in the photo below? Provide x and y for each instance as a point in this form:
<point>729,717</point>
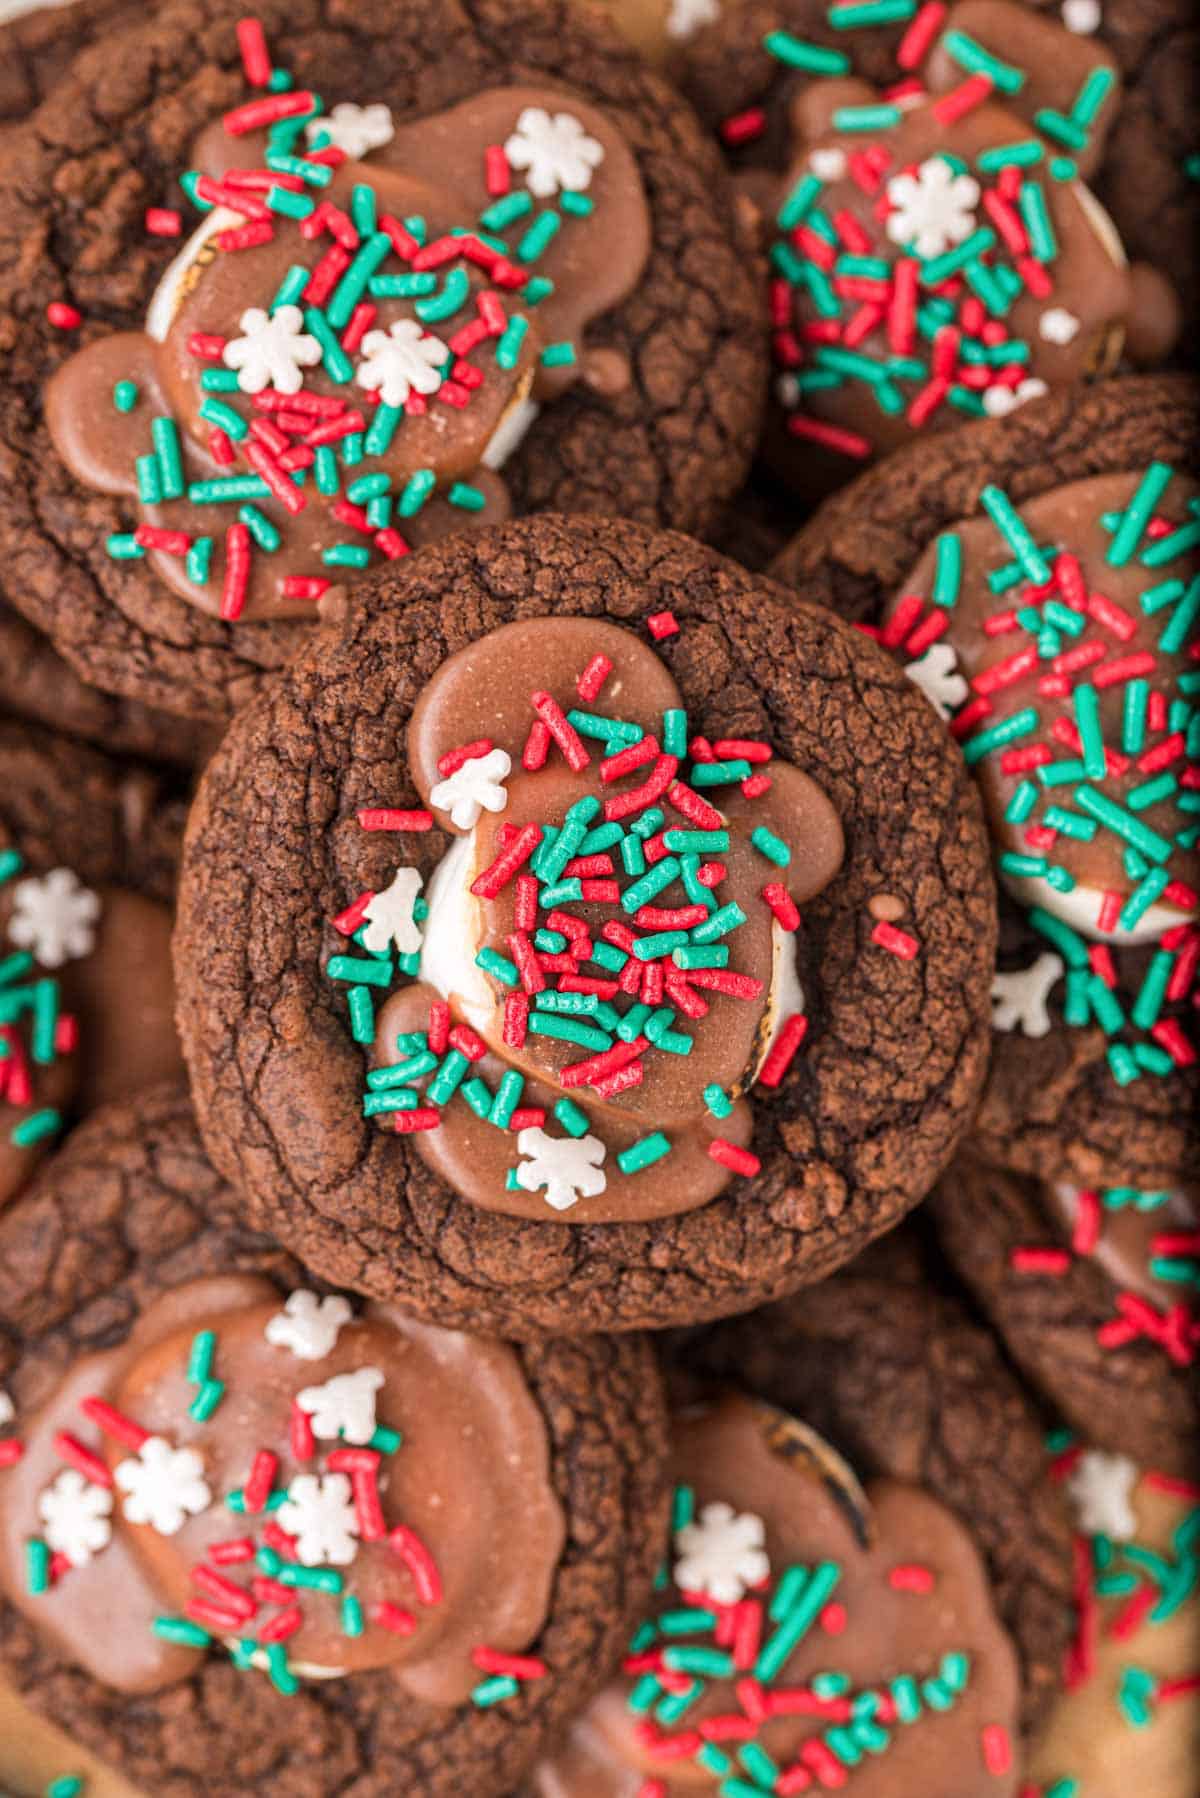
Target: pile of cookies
<point>599,888</point>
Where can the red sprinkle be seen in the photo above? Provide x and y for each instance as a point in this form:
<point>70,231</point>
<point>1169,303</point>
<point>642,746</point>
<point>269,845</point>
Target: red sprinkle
<point>918,38</point>
<point>1040,1261</point>
<point>426,1117</point>
<point>163,221</point>
<point>256,59</point>
<point>233,1552</point>
<point>516,1020</point>
<point>62,316</point>
<point>392,1617</point>
<point>742,128</point>
<point>256,114</point>
<point>783,906</point>
<point>662,624</point>
<point>420,1563</point>
<point>783,1050</point>
<point>439,1026</point>
<point>279,1628</point>
<point>963,99</point>
<point>997,1748</point>
<point>896,942</point>
<point>114,1423</point>
<point>68,1448</point>
<point>593,677</point>
<point>257,1489</point>
<point>11,1451</point>
<point>516,1666</point>
<point>911,1576</point>
<point>563,732</point>
<point>739,1161</point>
<point>384,818</point>
<point>300,1435</point>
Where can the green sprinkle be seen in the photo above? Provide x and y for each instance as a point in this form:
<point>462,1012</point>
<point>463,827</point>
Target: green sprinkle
<point>37,1127</point>
<point>573,1120</point>
<point>448,1078</point>
<point>1013,529</point>
<point>280,1674</point>
<point>855,13</point>
<point>1035,215</point>
<point>353,283</point>
<point>772,847</point>
<point>216,412</point>
<point>710,1663</point>
<point>69,1786</point>
<point>1063,130</point>
<point>181,1631</point>
<point>466,497</point>
<point>494,1690</point>
<point>206,1401</point>
<point>337,364</point>
<point>719,774</point>
<point>260,527</point>
<point>289,204</point>
<point>559,355</point>
<point>866,118</point>
<point>37,1567</point>
<point>661,942</point>
<point>227,488</point>
<point>508,349</point>
<point>798,202</point>
<point>309,1579</point>
<point>149,480</point>
<point>352,1616</point>
<point>1182,619</point>
<point>1092,95</point>
<point>125,395</point>
<point>498,966</point>
<point>508,1097</point>
<point>977,61</point>
<point>219,380</point>
<point>728,918</point>
<point>1087,717</point>
<point>948,573</point>
<point>939,268</point>
<point>540,235</point>
<point>776,1650</point>
<point>1123,824</point>
<point>812,58</point>
<point>1137,514</point>
<point>455,292</point>
<point>123,547</point>
<point>200,1359</point>
<point>417,490</point>
<point>1023,154</point>
<point>165,438</point>
<point>569,1030</point>
<point>643,1154</point>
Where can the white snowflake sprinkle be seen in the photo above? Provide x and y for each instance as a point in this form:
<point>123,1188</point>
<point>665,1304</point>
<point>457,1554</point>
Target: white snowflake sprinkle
<point>569,1167</point>
<point>1019,999</point>
<point>1081,16</point>
<point>478,786</point>
<point>721,1553</point>
<point>933,209</point>
<point>309,1326</point>
<point>273,350</point>
<point>686,17</point>
<point>344,1406</point>
<point>163,1485</point>
<point>1057,325</point>
<point>1101,1488</point>
<point>828,165</point>
<point>401,360</point>
<point>936,673</point>
<point>75,1516</point>
<point>54,917</point>
<point>998,402</point>
<point>390,915</point>
<point>555,152</point>
<point>8,1411</point>
<point>356,130</point>
<point>319,1512</point>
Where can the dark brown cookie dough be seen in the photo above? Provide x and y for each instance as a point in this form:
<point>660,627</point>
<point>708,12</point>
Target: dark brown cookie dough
<point>1143,179</point>
<point>37,684</point>
<point>37,48</point>
<point>867,1112</point>
<point>1051,1105</point>
<point>1078,1283</point>
<point>808,1632</point>
<point>133,1210</point>
<point>888,1362</point>
<point>680,361</point>
<point>89,848</point>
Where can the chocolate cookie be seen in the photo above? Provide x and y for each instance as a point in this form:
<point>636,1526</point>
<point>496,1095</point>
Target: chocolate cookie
<point>1127,1717</point>
<point>36,683</point>
<point>1070,682</point>
<point>1090,1291</point>
<point>604,668</point>
<point>415,1606</point>
<point>935,252</point>
<point>807,1635</point>
<point>37,47</point>
<point>887,1361</point>
<point>504,275</point>
<point>88,853</point>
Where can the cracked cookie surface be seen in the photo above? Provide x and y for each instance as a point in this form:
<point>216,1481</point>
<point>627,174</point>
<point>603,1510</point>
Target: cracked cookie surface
<point>1051,1106</point>
<point>866,1116</point>
<point>133,1209</point>
<point>667,448</point>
